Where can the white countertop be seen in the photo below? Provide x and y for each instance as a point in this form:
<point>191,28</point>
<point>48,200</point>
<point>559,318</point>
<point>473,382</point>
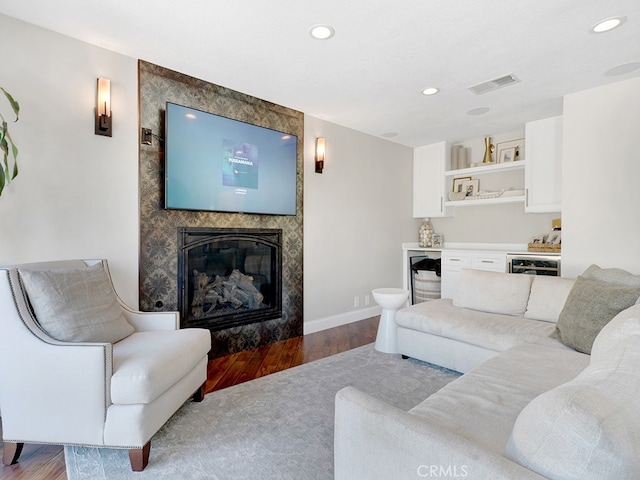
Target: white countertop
<point>493,247</point>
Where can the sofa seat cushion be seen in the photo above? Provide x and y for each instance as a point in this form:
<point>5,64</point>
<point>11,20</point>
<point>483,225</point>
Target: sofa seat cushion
<point>146,364</point>
<point>484,403</point>
<point>492,331</point>
<point>588,428</point>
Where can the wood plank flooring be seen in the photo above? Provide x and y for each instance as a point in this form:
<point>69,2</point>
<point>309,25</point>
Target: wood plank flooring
<point>39,462</point>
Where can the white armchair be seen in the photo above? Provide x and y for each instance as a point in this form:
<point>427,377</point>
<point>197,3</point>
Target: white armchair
<point>114,394</point>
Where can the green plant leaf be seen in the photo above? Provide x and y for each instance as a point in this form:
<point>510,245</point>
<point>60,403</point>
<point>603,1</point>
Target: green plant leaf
<point>14,104</point>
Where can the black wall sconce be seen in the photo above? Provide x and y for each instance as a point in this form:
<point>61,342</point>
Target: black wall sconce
<point>319,154</point>
<point>103,108</point>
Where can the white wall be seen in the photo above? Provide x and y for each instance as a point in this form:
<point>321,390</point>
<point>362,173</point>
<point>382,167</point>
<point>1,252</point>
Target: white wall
<point>76,195</point>
<point>601,170</point>
<point>357,213</point>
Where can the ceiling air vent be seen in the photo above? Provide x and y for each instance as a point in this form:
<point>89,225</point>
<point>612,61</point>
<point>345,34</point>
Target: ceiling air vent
<point>494,84</point>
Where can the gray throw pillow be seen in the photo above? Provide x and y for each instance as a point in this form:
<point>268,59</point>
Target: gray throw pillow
<point>591,304</point>
<point>76,305</point>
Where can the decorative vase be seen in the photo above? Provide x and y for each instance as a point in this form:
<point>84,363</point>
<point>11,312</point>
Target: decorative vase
<point>425,234</point>
<point>488,150</point>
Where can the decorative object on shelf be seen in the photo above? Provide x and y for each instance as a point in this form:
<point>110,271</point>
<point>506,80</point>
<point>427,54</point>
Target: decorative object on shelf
<point>425,234</point>
<point>457,184</point>
<point>504,147</point>
<point>7,145</point>
<point>458,157</point>
<point>438,240</point>
<point>507,155</point>
<point>470,187</point>
<point>554,237</point>
<point>488,151</point>
<point>455,196</point>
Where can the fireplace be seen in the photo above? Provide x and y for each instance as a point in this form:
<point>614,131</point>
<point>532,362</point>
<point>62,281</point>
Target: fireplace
<point>229,277</point>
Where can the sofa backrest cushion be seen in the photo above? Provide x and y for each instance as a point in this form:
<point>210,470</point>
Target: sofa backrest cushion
<point>588,428</point>
<point>547,298</point>
<point>76,305</point>
<point>493,292</point>
<point>591,304</point>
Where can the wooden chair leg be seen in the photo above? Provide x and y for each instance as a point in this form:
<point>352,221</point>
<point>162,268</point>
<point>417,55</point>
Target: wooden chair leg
<point>11,452</point>
<point>198,396</point>
<point>139,457</point>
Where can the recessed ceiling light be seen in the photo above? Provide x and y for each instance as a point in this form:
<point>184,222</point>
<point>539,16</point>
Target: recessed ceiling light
<point>478,111</point>
<point>430,91</point>
<point>607,24</point>
<point>322,32</point>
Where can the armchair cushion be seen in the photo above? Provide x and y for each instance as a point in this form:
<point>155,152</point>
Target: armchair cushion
<point>146,364</point>
<point>76,305</point>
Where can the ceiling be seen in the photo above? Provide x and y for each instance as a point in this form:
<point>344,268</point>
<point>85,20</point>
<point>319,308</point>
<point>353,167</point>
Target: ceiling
<point>370,75</point>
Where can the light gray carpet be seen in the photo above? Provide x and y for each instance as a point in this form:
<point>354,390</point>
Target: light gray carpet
<point>276,427</point>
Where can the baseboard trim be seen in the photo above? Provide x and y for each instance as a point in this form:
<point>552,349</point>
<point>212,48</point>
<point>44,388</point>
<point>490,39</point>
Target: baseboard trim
<point>325,323</point>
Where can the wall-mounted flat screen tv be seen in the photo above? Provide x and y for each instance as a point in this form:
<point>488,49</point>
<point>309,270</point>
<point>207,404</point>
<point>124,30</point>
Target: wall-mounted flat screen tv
<point>214,163</point>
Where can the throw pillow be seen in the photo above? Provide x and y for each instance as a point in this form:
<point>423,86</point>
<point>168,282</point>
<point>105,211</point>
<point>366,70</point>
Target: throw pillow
<point>547,298</point>
<point>588,428</point>
<point>76,305</point>
<point>590,305</point>
<point>616,276</point>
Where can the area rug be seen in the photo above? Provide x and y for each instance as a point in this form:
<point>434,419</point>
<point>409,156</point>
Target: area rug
<point>275,427</point>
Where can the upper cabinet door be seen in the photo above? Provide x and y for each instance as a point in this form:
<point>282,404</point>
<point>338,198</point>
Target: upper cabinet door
<point>428,180</point>
<point>543,168</point>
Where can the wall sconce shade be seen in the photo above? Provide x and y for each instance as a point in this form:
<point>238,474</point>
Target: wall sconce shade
<point>103,108</point>
<point>319,154</point>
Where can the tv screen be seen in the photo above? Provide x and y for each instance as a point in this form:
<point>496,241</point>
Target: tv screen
<point>219,164</point>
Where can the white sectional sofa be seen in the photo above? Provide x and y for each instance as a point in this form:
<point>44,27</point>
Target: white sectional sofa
<point>529,406</point>
<point>489,313</point>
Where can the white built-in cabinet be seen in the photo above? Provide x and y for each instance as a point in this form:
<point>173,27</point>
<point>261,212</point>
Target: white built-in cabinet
<point>539,175</point>
<point>543,170</point>
<point>453,261</point>
<point>428,179</point>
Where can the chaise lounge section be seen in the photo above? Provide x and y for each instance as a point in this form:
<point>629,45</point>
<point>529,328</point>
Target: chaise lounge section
<point>529,406</point>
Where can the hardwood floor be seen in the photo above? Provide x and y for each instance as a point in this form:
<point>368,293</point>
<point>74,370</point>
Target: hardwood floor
<point>39,462</point>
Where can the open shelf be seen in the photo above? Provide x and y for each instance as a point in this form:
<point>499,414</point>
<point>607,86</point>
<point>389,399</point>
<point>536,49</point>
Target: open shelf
<point>485,201</point>
<point>493,168</point>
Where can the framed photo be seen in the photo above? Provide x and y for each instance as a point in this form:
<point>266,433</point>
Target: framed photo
<point>457,183</point>
<point>554,237</point>
<point>538,239</point>
<point>438,240</point>
<point>517,144</point>
<point>507,155</point>
<point>470,187</point>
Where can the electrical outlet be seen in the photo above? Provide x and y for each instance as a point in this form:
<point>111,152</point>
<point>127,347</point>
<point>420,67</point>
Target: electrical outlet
<point>356,301</point>
<point>146,137</point>
<point>367,300</point>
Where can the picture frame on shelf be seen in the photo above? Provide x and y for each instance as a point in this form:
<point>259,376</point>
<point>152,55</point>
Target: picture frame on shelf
<point>438,240</point>
<point>537,239</point>
<point>470,187</point>
<point>554,238</point>
<point>507,155</point>
<point>517,144</point>
<point>457,183</point>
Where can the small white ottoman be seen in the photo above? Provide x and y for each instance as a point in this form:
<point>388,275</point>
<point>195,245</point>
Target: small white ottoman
<point>390,299</point>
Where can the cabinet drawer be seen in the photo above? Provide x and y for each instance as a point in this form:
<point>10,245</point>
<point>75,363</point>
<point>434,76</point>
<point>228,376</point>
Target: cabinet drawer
<point>493,262</point>
<point>456,259</point>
